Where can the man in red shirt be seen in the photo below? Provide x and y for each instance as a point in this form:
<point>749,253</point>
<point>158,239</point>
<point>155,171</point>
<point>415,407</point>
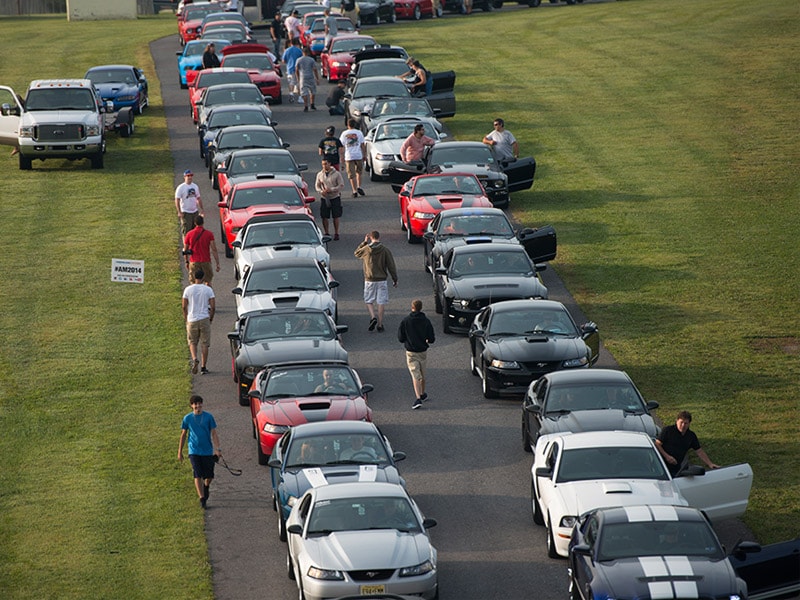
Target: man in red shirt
<point>198,248</point>
<point>414,146</point>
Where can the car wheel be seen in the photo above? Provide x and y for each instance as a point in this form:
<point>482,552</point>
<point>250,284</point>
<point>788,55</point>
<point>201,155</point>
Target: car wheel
<point>244,399</point>
<point>536,510</point>
<point>393,17</point>
<point>25,163</point>
<point>551,541</point>
<point>281,525</point>
<point>373,176</point>
<point>534,3</point>
<point>214,182</point>
<point>262,458</point>
<point>526,436</point>
<point>473,368</point>
<point>289,567</point>
<point>488,7</point>
<point>498,5</point>
<point>487,390</point>
<point>417,13</point>
<point>446,323</point>
<point>437,302</point>
<point>97,160</point>
<point>410,237</point>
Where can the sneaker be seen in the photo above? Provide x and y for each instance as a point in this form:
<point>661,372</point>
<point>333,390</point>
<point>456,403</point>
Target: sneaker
<point>305,109</point>
<point>355,194</point>
<point>380,327</point>
<point>203,371</point>
<point>360,192</point>
<point>424,396</point>
<point>372,323</point>
<point>417,404</point>
<point>205,492</point>
<point>313,107</point>
<point>195,366</point>
<point>335,237</point>
<point>202,502</point>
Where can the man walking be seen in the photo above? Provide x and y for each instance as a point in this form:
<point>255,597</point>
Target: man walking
<point>201,429</point>
<point>674,443</point>
<point>290,57</point>
<point>276,32</point>
<point>416,334</point>
<point>187,202</point>
<point>378,264</point>
<point>353,141</point>
<point>329,184</point>
<point>308,78</point>
<point>198,247</point>
<point>330,147</point>
<point>198,305</point>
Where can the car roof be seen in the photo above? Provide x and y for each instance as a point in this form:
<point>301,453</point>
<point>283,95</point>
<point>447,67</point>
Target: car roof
<point>333,427</point>
<point>463,144</point>
<point>488,247</point>
<point>359,489</point>
<point>226,86</point>
<point>379,78</point>
<point>290,261</point>
<point>239,108</point>
<point>603,439</point>
<point>532,303</point>
<point>275,218</point>
<point>260,152</point>
<point>458,212</point>
<point>98,67</point>
<point>266,182</point>
<point>582,376</point>
<point>636,513</point>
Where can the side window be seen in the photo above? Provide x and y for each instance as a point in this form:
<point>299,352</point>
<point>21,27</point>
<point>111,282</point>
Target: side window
<point>552,456</point>
<point>541,392</point>
<point>304,507</point>
<point>590,531</point>
<point>483,320</point>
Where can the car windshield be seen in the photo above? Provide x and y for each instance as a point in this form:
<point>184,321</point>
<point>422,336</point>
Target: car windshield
<point>263,163</point>
<point>237,117</point>
<point>237,36</point>
<point>226,26</point>
<point>370,89</point>
<point>400,131</point>
<point>526,321</point>
<point>658,538</point>
<point>357,514</point>
<point>396,107</point>
<point>239,140</point>
<point>60,99</point>
<point>381,68</point>
<point>224,16</point>
<point>582,464</point>
<point>238,95</point>
<point>479,264</point>
<point>274,234</point>
<point>465,225</point>
<point>287,326</point>
<point>336,449</point>
<point>251,61</point>
<point>99,77</point>
<point>349,45</point>
<point>447,184</point>
<point>596,396</point>
<point>311,381</point>
<point>197,48</point>
<point>472,155</point>
<point>208,78</point>
<point>285,279</point>
<point>260,196</point>
<point>198,14</point>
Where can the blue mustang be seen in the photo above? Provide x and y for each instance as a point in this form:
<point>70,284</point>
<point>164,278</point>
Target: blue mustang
<point>191,57</point>
<point>124,85</point>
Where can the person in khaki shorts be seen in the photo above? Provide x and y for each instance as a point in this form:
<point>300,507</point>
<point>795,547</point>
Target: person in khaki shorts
<point>198,311</point>
<point>416,334</point>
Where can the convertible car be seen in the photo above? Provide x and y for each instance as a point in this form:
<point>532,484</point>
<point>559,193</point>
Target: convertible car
<point>191,57</point>
<point>383,144</point>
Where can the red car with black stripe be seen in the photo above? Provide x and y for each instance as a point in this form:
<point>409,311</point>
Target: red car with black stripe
<point>262,71</point>
<point>423,197</point>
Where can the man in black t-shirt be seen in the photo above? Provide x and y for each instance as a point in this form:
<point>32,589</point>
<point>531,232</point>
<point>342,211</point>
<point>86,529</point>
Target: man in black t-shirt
<point>675,441</point>
<point>349,11</point>
<point>330,148</point>
<point>277,32</point>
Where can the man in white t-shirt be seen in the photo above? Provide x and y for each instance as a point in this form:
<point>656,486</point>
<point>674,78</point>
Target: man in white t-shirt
<point>198,305</point>
<point>353,142</point>
<point>187,203</point>
<point>504,143</point>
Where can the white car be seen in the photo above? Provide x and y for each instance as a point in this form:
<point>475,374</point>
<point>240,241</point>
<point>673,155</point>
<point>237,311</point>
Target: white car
<point>574,473</point>
<point>384,140</point>
<point>277,236</point>
<point>360,538</point>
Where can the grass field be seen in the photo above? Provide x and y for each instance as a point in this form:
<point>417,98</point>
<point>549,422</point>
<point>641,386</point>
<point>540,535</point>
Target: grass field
<point>666,136</point>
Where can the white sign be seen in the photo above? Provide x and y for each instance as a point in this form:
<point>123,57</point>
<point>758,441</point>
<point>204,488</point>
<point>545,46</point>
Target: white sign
<point>127,271</point>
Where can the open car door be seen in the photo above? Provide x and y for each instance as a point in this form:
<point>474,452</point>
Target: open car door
<point>9,116</point>
<point>442,96</point>
<point>721,493</point>
<point>520,173</point>
<point>774,572</point>
<point>540,244</point>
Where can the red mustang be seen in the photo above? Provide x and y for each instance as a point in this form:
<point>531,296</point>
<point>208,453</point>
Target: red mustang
<point>262,71</point>
<point>285,395</point>
<point>200,80</point>
<point>425,196</point>
<point>337,60</point>
<point>191,20</point>
<point>262,196</point>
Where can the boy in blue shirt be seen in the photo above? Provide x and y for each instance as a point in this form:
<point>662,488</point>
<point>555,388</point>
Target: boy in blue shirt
<point>201,429</point>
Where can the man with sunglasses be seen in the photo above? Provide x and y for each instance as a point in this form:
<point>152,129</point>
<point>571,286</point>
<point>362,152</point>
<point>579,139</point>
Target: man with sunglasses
<point>505,144</point>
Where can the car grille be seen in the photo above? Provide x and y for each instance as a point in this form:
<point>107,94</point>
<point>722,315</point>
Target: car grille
<point>371,574</point>
<point>59,133</point>
<point>540,367</point>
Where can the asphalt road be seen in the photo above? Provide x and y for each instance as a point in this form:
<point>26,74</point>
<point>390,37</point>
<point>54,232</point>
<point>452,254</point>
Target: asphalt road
<point>465,467</point>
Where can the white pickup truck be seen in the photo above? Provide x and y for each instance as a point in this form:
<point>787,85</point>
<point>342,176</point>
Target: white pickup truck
<point>60,118</point>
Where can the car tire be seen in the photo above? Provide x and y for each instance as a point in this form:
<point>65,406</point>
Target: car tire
<point>526,437</point>
<point>488,7</point>
<point>487,390</point>
<point>373,176</point>
<point>473,367</point>
<point>263,459</point>
<point>410,237</point>
<point>97,160</point>
<point>25,163</point>
<point>536,510</point>
<point>281,525</point>
<point>244,400</point>
<point>446,323</point>
<point>437,303</point>
<point>289,567</point>
<point>574,594</point>
<point>551,541</point>
<point>214,182</point>
<point>417,13</point>
<point>534,3</point>
<point>393,17</point>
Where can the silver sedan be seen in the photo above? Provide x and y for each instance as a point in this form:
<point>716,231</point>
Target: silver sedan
<point>383,142</point>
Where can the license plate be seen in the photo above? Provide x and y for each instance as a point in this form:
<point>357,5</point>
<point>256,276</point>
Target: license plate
<point>373,589</point>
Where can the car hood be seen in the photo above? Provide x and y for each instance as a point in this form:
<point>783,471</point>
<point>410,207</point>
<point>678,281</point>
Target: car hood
<point>581,496</point>
<point>539,348</point>
<point>500,286</point>
<point>297,481</point>
<point>240,216</point>
<point>599,420</point>
<point>113,90</point>
<point>310,409</point>
<point>443,244</point>
<point>290,350</point>
<point>445,201</point>
<point>293,177</point>
<point>292,299</point>
<point>674,576</point>
<point>377,549</point>
<point>251,256</point>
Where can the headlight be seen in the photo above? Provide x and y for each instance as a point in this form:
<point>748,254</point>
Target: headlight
<point>380,156</point>
<point>338,64</point>
<point>460,303</point>
<point>93,130</point>
<point>26,131</point>
<point>279,429</point>
<point>498,184</point>
<point>567,521</point>
<point>423,215</point>
<point>505,364</point>
<point>576,362</point>
<point>420,569</point>
<point>317,573</point>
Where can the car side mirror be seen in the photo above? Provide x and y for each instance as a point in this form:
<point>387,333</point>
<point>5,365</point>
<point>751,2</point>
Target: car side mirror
<point>9,111</point>
<point>254,394</point>
<point>326,238</point>
<point>652,405</point>
<point>340,329</point>
<point>367,388</point>
<point>581,549</point>
<point>429,235</point>
<point>294,528</point>
<point>589,328</point>
<point>302,167</point>
<point>534,409</point>
<point>428,523</point>
<point>441,271</point>
<point>478,333</point>
<point>398,456</point>
<point>545,472</point>
<point>236,244</point>
<point>234,336</point>
<point>236,291</point>
<point>222,204</point>
<point>275,463</point>
<point>743,548</point>
<point>333,284</point>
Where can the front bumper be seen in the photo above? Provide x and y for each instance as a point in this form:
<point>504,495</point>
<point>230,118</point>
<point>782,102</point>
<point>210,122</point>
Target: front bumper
<point>41,150</point>
<point>515,382</point>
<point>423,585</point>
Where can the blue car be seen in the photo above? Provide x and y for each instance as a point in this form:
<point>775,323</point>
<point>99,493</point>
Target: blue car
<point>191,57</point>
<point>313,454</point>
<point>124,85</point>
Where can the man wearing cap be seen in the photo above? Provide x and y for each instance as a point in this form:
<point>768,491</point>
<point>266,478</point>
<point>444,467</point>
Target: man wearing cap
<point>188,203</point>
<point>330,148</point>
<point>198,248</point>
<point>335,100</point>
